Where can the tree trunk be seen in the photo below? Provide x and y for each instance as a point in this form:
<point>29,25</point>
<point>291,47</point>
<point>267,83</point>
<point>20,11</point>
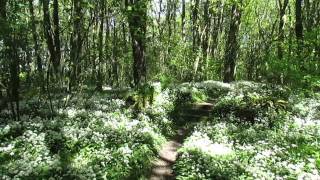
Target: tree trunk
<point>168,17</point>
<point>11,52</point>
<point>76,43</point>
<point>137,19</point>
<point>183,15</point>
<point>115,78</point>
<point>56,30</point>
<point>282,12</point>
<point>205,41</point>
<point>232,44</point>
<point>100,48</point>
<point>52,36</point>
<point>36,44</point>
<point>195,28</point>
<point>299,30</point>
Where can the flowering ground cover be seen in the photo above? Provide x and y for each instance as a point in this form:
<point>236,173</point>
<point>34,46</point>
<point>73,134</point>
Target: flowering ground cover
<point>254,131</point>
<point>91,138</point>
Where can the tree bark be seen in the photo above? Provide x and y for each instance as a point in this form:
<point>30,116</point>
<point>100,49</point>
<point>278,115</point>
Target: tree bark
<point>76,43</point>
<point>115,76</point>
<point>36,43</point>
<point>56,29</point>
<point>195,28</point>
<point>232,44</point>
<point>205,41</point>
<point>52,35</point>
<point>137,19</point>
<point>299,30</point>
<point>282,12</point>
<point>100,47</point>
<point>11,53</point>
<point>183,15</point>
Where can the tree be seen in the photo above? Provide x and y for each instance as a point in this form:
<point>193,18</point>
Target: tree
<point>183,16</point>
<point>36,45</point>
<point>76,42</point>
<point>282,11</point>
<point>52,34</point>
<point>137,19</point>
<point>299,28</point>
<point>11,42</point>
<point>100,46</point>
<point>231,50</point>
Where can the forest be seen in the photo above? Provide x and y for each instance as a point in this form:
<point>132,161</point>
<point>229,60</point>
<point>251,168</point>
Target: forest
<point>160,89</point>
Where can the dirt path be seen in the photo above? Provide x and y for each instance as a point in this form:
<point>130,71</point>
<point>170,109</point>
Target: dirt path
<point>162,166</point>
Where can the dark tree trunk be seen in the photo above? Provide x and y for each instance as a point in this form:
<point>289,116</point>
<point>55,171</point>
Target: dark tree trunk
<point>183,16</point>
<point>11,53</point>
<point>107,41</point>
<point>100,47</point>
<point>115,78</point>
<point>195,28</point>
<point>137,18</point>
<point>299,30</point>
<point>76,43</point>
<point>56,29</point>
<point>173,15</point>
<point>14,77</point>
<point>232,44</point>
<point>159,19</point>
<point>282,12</point>
<point>52,35</point>
<point>205,41</point>
<point>168,17</point>
<point>36,44</point>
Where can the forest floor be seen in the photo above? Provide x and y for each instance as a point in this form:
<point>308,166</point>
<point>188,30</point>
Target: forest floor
<point>162,166</point>
<point>207,130</point>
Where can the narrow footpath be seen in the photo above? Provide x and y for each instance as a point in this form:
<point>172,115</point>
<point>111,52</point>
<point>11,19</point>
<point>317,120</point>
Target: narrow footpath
<point>162,167</point>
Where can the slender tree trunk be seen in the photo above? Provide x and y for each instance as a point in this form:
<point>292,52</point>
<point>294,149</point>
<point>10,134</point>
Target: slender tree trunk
<point>56,30</point>
<point>195,28</point>
<point>48,31</point>
<point>168,17</point>
<point>299,31</point>
<point>76,43</point>
<point>14,77</point>
<point>100,48</point>
<point>232,44</point>
<point>36,45</point>
<point>108,61</point>
<point>183,16</point>
<point>115,77</point>
<point>159,18</point>
<point>217,21</point>
<point>205,41</point>
<point>173,16</point>
<point>52,35</point>
<point>282,12</point>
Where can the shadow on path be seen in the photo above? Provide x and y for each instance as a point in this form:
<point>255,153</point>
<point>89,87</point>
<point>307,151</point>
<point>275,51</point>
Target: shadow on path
<point>162,166</point>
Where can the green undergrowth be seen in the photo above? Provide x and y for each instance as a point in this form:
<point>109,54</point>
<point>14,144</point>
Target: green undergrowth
<point>256,131</point>
<point>89,136</point>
